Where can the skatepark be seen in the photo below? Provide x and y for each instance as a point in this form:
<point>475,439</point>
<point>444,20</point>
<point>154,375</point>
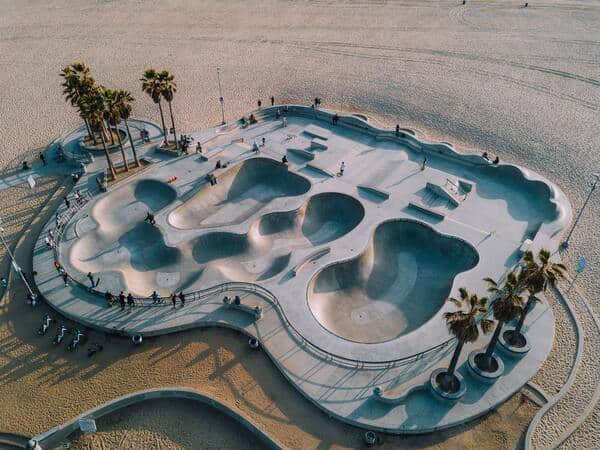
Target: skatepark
<point>347,273</point>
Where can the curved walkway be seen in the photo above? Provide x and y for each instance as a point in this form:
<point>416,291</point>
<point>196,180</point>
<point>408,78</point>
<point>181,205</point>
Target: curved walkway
<point>557,421</point>
<point>60,432</point>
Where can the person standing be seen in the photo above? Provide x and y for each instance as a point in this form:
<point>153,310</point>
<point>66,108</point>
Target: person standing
<point>130,301</point>
<point>182,298</point>
<point>259,103</point>
<point>272,101</point>
<point>67,202</point>
<point>424,163</point>
<point>342,168</point>
<point>174,299</point>
<point>65,278</point>
<point>93,283</point>
<point>43,159</point>
<point>122,301</point>
<point>199,148</point>
<point>155,298</point>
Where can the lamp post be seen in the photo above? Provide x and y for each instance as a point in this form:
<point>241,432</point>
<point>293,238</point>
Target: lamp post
<point>15,265</point>
<point>221,97</point>
<point>565,243</point>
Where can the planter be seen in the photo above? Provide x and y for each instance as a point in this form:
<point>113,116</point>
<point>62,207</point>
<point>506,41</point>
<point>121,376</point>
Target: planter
<point>488,376</point>
<point>457,393</point>
<point>520,348</point>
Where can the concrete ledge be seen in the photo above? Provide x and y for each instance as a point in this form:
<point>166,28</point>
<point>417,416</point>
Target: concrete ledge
<point>380,395</point>
<point>318,144</point>
<point>317,132</point>
<point>320,170</point>
<point>305,154</point>
<point>375,191</point>
<point>56,434</point>
<point>427,210</point>
<point>255,311</point>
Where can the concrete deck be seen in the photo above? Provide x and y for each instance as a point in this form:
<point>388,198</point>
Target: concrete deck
<point>363,314</point>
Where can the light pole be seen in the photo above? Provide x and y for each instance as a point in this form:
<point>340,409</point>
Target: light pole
<point>15,265</point>
<point>221,97</point>
<point>565,243</point>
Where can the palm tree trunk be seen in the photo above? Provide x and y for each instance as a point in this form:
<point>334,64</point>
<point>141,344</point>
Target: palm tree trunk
<point>487,358</point>
<point>122,150</point>
<point>111,168</point>
<point>522,318</point>
<point>89,130</point>
<point>162,119</point>
<point>449,375</point>
<point>135,158</point>
<point>173,124</point>
<point>110,133</point>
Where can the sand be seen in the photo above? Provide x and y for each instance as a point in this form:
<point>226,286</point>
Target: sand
<point>519,82</point>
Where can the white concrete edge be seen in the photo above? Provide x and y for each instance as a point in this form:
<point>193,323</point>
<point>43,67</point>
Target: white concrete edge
<point>528,445</point>
<point>62,431</point>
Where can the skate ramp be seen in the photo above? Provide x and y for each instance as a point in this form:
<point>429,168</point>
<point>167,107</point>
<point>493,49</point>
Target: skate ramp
<point>398,283</point>
<point>241,192</point>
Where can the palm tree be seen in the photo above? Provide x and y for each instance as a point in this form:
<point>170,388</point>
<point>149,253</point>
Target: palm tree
<point>506,307</point>
<point>78,81</point>
<point>152,85</point>
<point>168,91</point>
<point>538,276</point>
<point>112,114</point>
<point>463,324</point>
<point>93,108</point>
<point>125,99</point>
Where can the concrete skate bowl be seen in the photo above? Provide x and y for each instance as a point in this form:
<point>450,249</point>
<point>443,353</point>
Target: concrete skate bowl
<point>399,282</point>
<point>323,218</point>
<point>266,250</point>
<point>242,191</point>
<point>130,203</point>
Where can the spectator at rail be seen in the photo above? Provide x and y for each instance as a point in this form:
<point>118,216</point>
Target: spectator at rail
<point>130,301</point>
<point>65,278</point>
<point>155,298</point>
<point>67,202</point>
<point>49,242</point>
<point>57,266</point>
<point>150,218</point>
<point>174,300</point>
<point>182,298</point>
<point>110,299</point>
<point>237,300</point>
<point>284,122</point>
<point>122,300</point>
<point>57,219</point>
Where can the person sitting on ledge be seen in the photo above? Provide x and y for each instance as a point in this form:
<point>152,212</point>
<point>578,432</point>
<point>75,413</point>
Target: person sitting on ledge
<point>218,164</point>
<point>150,218</point>
<point>485,156</point>
<point>252,119</point>
<point>25,165</point>
<point>497,160</point>
<point>335,119</point>
<point>155,297</point>
<point>284,160</point>
<point>237,300</point>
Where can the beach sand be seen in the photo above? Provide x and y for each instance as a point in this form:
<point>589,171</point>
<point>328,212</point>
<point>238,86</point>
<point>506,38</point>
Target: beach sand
<point>522,83</point>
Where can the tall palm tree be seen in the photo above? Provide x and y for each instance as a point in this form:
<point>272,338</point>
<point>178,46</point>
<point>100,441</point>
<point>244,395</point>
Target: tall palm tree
<point>507,306</point>
<point>152,85</point>
<point>464,324</point>
<point>540,273</point>
<point>112,114</point>
<point>93,108</point>
<point>168,91</point>
<point>125,99</point>
<point>78,81</point>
